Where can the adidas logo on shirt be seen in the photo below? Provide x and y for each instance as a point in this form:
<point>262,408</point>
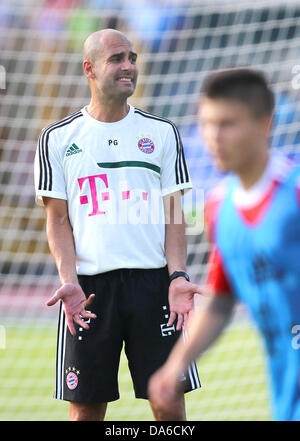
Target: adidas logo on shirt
<point>73,149</point>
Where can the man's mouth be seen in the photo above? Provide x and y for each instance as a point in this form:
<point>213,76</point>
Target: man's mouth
<point>125,79</point>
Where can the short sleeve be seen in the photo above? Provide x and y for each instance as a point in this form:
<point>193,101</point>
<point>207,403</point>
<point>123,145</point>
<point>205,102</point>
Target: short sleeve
<point>216,282</point>
<point>49,178</point>
<point>174,172</point>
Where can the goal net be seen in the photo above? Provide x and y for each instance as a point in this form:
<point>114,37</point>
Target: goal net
<point>41,81</point>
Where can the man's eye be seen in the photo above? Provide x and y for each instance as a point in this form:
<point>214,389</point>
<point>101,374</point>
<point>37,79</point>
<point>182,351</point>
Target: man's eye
<point>115,58</point>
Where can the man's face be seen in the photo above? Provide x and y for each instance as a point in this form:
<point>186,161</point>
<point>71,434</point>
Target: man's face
<point>115,68</point>
<point>232,133</point>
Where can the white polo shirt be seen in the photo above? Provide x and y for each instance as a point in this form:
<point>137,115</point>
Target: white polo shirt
<point>113,176</point>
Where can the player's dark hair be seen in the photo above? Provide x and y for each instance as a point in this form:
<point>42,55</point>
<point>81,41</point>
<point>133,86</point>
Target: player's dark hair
<point>242,84</point>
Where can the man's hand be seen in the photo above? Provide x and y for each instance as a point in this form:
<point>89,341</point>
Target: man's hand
<point>164,385</point>
<point>181,300</point>
<point>75,303</point>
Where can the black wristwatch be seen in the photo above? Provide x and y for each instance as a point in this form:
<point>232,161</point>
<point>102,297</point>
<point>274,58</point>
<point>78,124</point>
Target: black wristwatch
<point>179,274</point>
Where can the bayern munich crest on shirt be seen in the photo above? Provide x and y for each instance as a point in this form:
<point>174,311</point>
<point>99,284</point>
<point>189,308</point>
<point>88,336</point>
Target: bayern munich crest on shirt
<point>146,145</point>
<point>72,380</point>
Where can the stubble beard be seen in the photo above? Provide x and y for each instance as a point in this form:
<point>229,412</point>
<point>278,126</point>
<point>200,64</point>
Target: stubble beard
<point>111,95</point>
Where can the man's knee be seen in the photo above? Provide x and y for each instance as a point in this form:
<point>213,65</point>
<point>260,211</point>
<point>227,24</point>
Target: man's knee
<point>175,411</point>
<point>87,411</point>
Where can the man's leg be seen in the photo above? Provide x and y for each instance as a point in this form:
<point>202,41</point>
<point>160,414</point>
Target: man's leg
<point>87,411</point>
<point>174,412</point>
<point>87,377</point>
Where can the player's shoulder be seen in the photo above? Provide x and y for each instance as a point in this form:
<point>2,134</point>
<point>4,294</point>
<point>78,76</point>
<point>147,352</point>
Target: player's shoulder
<point>61,124</point>
<point>286,170</point>
<point>161,122</point>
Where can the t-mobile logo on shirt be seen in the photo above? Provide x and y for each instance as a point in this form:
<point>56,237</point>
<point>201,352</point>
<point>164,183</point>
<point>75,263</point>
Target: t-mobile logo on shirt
<point>95,195</point>
<point>93,191</point>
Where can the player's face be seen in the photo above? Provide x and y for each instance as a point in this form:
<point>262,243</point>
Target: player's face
<point>116,70</point>
<point>232,133</point>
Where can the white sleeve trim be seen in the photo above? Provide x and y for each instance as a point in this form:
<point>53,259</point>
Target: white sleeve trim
<point>49,194</point>
<point>185,187</point>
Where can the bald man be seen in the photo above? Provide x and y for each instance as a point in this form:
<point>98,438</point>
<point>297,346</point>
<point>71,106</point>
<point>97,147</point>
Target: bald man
<point>110,176</point>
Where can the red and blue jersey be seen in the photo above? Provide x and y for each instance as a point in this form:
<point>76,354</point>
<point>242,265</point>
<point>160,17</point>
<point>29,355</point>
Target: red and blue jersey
<point>256,257</point>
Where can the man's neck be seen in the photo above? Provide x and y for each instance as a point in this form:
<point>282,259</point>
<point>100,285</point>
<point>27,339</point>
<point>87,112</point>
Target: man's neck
<point>108,112</point>
<point>253,172</point>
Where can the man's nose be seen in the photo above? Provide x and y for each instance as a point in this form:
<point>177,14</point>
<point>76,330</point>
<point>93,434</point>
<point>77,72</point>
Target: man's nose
<point>126,65</point>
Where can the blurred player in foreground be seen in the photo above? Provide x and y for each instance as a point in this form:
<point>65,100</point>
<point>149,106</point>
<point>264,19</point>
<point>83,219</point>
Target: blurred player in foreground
<point>101,173</point>
<point>253,220</point>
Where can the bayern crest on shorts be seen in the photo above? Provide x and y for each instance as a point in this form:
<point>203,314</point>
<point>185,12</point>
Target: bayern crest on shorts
<point>72,380</point>
<point>146,145</point>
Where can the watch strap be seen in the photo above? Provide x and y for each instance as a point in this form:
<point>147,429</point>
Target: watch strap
<point>179,274</point>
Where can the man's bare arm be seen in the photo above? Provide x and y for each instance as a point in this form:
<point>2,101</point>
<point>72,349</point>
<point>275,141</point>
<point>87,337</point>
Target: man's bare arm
<point>60,239</point>
<point>206,324</point>
<point>61,244</point>
<point>175,239</point>
<point>181,292</point>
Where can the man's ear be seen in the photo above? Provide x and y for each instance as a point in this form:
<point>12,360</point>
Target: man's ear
<point>88,68</point>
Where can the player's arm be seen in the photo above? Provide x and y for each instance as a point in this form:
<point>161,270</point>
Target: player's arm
<point>181,292</point>
<point>61,244</point>
<point>206,325</point>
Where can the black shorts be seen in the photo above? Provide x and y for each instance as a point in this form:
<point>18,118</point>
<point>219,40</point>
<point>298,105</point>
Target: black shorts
<point>131,308</point>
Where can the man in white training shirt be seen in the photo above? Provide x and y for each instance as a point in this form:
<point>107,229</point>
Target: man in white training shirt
<point>110,177</point>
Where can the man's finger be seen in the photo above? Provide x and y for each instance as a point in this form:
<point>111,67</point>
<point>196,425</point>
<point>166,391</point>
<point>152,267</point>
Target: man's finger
<point>89,300</point>
<point>196,289</point>
<point>172,318</point>
<point>54,299</point>
<point>88,314</point>
<point>77,319</point>
<point>70,324</point>
<point>179,322</point>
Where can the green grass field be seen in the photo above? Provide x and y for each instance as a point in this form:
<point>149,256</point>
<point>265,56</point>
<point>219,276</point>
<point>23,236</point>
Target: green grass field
<point>232,374</point>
